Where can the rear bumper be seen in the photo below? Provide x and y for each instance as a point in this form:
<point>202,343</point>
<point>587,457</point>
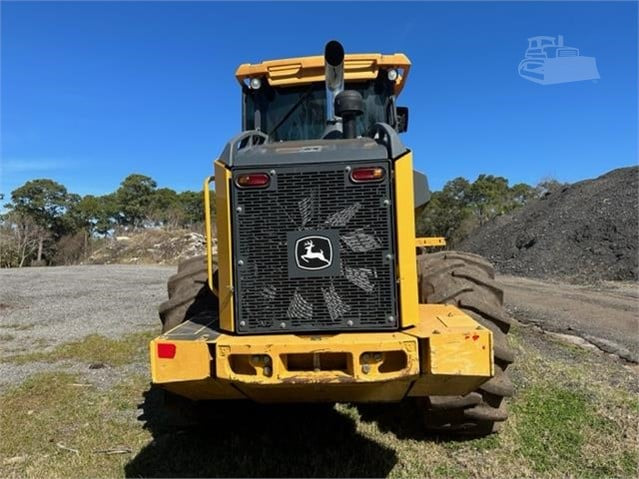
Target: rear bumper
<point>447,353</point>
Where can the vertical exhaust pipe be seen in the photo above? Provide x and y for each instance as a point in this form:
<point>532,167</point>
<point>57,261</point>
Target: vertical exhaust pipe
<point>334,74</point>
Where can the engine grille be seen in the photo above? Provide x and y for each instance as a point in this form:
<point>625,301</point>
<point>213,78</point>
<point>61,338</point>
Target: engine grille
<point>302,205</point>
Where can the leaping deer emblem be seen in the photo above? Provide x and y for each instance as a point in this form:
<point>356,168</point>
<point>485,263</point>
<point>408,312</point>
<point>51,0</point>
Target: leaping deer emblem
<point>310,254</point>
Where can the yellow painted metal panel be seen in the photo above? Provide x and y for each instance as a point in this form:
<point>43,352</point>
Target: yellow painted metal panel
<point>191,362</point>
<point>446,353</point>
<point>365,357</point>
<point>356,392</point>
<point>432,241</point>
<point>204,389</point>
<point>304,70</point>
<point>406,255</point>
<point>460,353</point>
<point>224,246</point>
<point>456,352</point>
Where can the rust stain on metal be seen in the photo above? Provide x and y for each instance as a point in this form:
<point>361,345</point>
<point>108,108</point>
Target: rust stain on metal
<point>318,380</point>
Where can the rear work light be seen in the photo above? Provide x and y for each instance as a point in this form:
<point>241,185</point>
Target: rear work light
<point>367,173</point>
<point>252,180</point>
<point>166,350</point>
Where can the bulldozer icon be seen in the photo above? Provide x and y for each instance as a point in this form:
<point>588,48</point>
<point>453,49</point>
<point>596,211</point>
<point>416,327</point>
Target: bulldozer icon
<point>548,61</point>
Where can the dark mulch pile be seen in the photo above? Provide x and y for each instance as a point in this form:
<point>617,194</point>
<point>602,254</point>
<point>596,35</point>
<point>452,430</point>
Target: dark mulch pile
<point>588,231</point>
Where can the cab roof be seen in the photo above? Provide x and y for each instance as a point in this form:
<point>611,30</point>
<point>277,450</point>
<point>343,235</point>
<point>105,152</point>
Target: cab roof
<point>305,70</point>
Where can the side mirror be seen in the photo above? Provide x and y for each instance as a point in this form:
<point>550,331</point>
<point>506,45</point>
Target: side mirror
<point>402,119</point>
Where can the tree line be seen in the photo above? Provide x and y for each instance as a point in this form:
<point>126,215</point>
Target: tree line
<point>44,223</point>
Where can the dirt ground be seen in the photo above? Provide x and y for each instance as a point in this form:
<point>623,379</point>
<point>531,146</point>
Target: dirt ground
<point>606,315</point>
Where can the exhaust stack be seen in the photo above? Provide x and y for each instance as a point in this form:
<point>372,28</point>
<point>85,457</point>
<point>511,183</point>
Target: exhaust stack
<point>334,74</point>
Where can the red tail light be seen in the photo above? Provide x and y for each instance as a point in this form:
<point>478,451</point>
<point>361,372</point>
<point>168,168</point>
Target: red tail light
<point>252,180</point>
<point>367,173</point>
<point>166,350</point>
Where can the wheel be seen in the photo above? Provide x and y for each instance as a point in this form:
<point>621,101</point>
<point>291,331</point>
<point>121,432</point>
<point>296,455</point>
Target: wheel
<point>467,281</point>
<point>189,294</point>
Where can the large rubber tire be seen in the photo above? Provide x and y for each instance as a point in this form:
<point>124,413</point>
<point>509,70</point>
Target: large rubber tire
<point>468,281</point>
<point>189,294</point>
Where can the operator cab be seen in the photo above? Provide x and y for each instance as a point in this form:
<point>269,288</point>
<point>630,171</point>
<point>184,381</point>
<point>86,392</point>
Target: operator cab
<point>265,108</point>
<point>292,100</point>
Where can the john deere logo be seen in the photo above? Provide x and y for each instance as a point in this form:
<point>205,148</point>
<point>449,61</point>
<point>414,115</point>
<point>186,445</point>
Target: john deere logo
<point>313,253</point>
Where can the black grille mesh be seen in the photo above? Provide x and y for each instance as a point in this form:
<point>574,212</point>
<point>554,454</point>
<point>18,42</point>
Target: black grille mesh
<point>312,198</point>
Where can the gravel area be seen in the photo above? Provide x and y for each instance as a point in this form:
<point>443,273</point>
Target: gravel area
<point>41,308</point>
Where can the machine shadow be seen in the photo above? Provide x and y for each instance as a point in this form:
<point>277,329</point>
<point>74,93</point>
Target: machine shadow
<point>401,419</point>
<point>405,422</point>
<point>243,439</point>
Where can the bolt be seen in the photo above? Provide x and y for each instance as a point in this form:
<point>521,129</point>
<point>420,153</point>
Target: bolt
<point>391,319</point>
<point>378,356</point>
<point>242,323</point>
<point>267,371</point>
<point>389,257</point>
<point>239,209</point>
<point>267,360</point>
<point>256,358</point>
<point>348,168</point>
<point>386,202</point>
<point>272,172</point>
<point>365,357</point>
<point>366,368</point>
<point>282,325</point>
<point>349,323</point>
<point>240,262</point>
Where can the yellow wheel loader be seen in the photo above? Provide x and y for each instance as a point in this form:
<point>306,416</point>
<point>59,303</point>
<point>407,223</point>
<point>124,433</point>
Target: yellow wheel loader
<point>315,291</point>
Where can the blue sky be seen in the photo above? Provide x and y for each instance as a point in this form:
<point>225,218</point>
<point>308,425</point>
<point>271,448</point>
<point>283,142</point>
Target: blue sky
<point>94,91</point>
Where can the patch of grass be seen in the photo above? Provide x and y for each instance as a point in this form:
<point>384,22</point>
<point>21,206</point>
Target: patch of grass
<point>50,411</point>
<point>93,349</point>
<point>551,425</point>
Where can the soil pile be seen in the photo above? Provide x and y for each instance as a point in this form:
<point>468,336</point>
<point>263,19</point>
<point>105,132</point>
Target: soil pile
<point>150,247</point>
<point>586,232</point>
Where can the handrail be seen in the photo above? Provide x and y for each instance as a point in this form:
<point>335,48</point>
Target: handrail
<point>209,232</point>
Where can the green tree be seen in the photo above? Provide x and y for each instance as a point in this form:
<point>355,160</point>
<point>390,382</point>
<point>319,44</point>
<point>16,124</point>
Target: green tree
<point>45,202</point>
<point>446,210</point>
<point>94,214</point>
<point>165,207</point>
<point>488,197</point>
<point>192,204</point>
<point>134,199</point>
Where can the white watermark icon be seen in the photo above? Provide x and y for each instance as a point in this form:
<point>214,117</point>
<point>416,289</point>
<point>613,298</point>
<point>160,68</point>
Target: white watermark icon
<point>548,61</point>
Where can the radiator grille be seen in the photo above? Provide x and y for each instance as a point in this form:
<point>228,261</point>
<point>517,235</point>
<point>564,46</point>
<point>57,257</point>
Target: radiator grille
<point>356,292</point>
